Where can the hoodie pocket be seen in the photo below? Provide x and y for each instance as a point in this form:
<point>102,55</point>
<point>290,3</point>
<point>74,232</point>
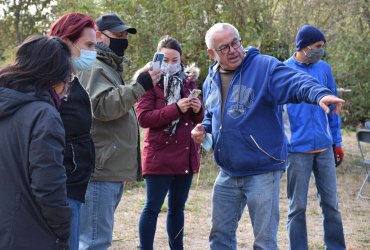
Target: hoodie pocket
<point>234,151</point>
<point>238,150</point>
<point>270,156</point>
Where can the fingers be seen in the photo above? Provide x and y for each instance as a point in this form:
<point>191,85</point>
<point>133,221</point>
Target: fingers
<point>338,108</point>
<point>200,128</point>
<point>330,100</point>
<point>155,75</point>
<point>198,134</point>
<point>184,104</point>
<point>325,107</point>
<point>195,105</point>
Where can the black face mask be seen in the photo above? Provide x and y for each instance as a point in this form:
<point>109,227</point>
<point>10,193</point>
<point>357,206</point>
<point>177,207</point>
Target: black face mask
<point>118,46</point>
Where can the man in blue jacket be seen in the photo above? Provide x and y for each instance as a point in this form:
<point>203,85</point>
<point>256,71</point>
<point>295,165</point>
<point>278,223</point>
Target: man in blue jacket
<point>243,93</point>
<point>311,133</point>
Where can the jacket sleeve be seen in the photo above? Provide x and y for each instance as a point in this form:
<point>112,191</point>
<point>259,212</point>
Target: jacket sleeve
<point>207,120</point>
<point>288,85</point>
<point>48,175</point>
<point>109,101</point>
<point>149,117</point>
<point>197,117</point>
<point>334,120</point>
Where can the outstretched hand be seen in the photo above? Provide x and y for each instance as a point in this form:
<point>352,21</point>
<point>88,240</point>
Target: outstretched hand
<point>329,100</point>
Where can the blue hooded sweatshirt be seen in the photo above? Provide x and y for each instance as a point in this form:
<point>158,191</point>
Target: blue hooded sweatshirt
<point>307,126</point>
<point>249,139</point>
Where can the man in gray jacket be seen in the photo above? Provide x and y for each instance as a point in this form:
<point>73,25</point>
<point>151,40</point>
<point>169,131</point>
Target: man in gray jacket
<point>115,130</point>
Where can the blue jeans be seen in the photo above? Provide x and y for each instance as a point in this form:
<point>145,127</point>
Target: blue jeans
<point>97,214</point>
<point>322,165</point>
<point>75,223</point>
<point>157,187</point>
<point>230,196</point>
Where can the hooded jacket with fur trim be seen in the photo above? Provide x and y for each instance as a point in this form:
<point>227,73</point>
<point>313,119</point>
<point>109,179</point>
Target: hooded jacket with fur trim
<point>163,152</point>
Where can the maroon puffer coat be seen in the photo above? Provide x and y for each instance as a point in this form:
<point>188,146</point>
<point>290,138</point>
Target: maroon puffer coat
<point>164,153</point>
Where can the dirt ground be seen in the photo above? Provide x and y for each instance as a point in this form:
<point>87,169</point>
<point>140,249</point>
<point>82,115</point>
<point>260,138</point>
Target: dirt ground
<point>355,212</point>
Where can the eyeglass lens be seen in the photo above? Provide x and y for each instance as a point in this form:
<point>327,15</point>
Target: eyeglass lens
<point>226,49</point>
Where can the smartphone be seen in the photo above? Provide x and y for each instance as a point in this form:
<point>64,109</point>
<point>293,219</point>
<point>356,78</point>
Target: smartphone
<point>157,60</point>
<point>195,93</point>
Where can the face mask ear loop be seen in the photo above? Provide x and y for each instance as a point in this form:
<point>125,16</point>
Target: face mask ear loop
<point>305,54</point>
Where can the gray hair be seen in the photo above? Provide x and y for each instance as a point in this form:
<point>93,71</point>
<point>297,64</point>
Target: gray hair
<point>218,27</point>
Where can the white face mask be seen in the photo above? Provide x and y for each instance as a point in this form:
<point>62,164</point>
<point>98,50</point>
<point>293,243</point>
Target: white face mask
<point>171,69</point>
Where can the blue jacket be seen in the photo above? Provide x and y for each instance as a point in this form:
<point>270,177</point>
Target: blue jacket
<point>249,140</point>
<point>307,126</point>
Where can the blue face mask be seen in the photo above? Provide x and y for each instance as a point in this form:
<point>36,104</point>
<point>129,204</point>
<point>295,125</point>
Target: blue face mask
<point>315,56</point>
<point>85,60</point>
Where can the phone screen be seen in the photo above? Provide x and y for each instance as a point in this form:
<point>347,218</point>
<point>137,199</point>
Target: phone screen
<point>157,60</point>
<point>158,57</point>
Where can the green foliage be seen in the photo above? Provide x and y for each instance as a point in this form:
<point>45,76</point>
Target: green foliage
<point>350,60</point>
<point>20,19</point>
<point>270,25</point>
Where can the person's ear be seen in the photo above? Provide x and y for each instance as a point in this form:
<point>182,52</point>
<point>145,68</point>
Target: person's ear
<point>74,50</point>
<point>211,53</point>
<point>98,35</point>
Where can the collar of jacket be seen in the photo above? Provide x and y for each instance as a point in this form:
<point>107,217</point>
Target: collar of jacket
<point>301,64</point>
<point>106,55</point>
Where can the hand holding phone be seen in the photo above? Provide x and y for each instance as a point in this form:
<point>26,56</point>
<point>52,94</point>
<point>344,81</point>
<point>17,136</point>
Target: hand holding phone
<point>157,61</point>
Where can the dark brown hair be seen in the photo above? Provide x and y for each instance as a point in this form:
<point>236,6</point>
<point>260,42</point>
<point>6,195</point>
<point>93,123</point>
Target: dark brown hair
<point>40,63</point>
<point>169,43</point>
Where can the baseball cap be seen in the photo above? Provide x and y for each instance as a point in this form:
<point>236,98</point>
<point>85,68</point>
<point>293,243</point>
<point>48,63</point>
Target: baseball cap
<point>113,23</point>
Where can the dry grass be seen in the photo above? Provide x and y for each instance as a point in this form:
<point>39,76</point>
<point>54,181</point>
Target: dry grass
<point>355,212</point>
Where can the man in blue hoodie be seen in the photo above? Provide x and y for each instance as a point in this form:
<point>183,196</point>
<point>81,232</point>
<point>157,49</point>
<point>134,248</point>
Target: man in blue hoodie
<point>243,93</point>
<point>312,136</point>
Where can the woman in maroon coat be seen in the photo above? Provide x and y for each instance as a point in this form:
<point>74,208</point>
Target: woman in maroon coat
<point>170,157</point>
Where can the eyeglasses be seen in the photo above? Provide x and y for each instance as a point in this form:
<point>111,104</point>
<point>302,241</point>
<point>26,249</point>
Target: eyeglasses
<point>226,48</point>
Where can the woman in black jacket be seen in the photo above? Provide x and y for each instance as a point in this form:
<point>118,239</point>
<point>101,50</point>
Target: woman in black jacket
<point>34,213</point>
<point>78,31</point>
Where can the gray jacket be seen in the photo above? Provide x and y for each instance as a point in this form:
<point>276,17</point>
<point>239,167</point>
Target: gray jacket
<point>115,129</point>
